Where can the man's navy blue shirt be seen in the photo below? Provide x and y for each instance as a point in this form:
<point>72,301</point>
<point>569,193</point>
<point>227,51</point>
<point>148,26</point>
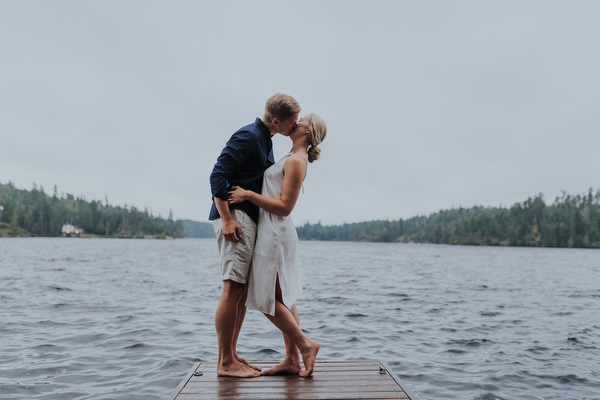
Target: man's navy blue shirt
<point>242,163</point>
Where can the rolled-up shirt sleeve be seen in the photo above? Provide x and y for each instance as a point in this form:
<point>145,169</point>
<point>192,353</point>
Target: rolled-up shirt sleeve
<point>235,153</point>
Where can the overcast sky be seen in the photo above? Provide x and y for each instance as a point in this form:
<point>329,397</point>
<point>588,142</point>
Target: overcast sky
<point>429,104</point>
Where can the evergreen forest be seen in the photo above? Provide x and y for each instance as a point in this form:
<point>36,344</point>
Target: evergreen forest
<point>570,221</point>
<point>35,213</point>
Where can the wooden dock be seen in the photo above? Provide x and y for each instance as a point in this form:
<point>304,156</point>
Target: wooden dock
<point>331,380</point>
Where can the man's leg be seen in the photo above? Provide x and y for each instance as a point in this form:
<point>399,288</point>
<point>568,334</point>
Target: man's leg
<point>239,322</point>
<point>226,323</point>
<point>236,257</point>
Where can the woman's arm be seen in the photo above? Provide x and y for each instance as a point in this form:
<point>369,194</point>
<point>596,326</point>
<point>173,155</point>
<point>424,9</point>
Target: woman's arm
<point>294,171</point>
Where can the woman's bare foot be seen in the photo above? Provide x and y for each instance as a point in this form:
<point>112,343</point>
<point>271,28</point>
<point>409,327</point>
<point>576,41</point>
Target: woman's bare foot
<point>237,370</point>
<point>286,367</point>
<point>246,363</point>
<point>309,356</point>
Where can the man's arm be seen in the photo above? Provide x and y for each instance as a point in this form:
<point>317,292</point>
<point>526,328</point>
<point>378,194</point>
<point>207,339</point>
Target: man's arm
<point>231,229</point>
<point>234,154</point>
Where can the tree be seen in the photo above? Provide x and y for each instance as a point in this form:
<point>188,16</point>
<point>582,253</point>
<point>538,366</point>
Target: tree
<point>9,211</point>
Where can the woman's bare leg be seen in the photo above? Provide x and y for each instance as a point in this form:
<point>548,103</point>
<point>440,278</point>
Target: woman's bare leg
<point>291,364</point>
<point>288,323</point>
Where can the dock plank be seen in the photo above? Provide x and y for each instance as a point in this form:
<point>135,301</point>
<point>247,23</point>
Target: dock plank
<point>361,379</point>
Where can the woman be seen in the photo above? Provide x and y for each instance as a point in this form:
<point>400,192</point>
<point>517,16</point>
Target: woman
<point>274,282</point>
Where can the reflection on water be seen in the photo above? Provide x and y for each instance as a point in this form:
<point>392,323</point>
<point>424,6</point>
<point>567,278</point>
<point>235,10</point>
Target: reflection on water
<point>127,319</point>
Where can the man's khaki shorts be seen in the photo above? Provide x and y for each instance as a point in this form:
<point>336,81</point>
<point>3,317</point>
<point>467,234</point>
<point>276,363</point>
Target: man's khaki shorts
<point>236,257</point>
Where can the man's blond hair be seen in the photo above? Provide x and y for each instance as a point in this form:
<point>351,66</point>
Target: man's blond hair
<point>282,107</point>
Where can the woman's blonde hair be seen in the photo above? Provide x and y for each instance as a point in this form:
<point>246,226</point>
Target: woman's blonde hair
<point>318,131</point>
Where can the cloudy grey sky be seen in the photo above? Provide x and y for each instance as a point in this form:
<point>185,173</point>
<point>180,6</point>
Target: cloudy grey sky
<point>430,104</point>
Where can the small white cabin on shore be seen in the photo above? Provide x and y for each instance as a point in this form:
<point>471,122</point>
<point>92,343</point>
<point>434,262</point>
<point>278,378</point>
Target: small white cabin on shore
<point>68,230</point>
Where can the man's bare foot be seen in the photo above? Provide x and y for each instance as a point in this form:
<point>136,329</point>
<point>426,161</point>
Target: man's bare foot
<point>309,356</point>
<point>246,363</point>
<point>284,368</point>
<point>237,370</point>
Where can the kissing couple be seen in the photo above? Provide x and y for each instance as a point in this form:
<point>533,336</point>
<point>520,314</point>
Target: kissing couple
<point>253,197</point>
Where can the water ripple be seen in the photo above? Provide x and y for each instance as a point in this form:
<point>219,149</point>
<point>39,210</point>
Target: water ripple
<point>126,319</point>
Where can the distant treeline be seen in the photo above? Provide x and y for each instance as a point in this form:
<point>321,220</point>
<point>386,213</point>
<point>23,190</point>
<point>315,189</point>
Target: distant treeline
<point>33,212</point>
<point>195,229</point>
<point>570,221</point>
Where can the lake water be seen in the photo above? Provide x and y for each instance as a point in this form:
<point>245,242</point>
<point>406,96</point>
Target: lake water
<point>126,319</point>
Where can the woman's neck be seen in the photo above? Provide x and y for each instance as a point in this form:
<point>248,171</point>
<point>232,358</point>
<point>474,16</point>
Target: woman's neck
<point>300,147</point>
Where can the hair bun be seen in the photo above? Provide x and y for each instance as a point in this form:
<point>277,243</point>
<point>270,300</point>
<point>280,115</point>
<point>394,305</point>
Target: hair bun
<point>313,153</point>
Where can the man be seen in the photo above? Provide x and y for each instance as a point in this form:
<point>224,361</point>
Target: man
<point>242,162</point>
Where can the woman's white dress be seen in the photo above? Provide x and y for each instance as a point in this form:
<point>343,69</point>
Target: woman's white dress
<point>275,252</point>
